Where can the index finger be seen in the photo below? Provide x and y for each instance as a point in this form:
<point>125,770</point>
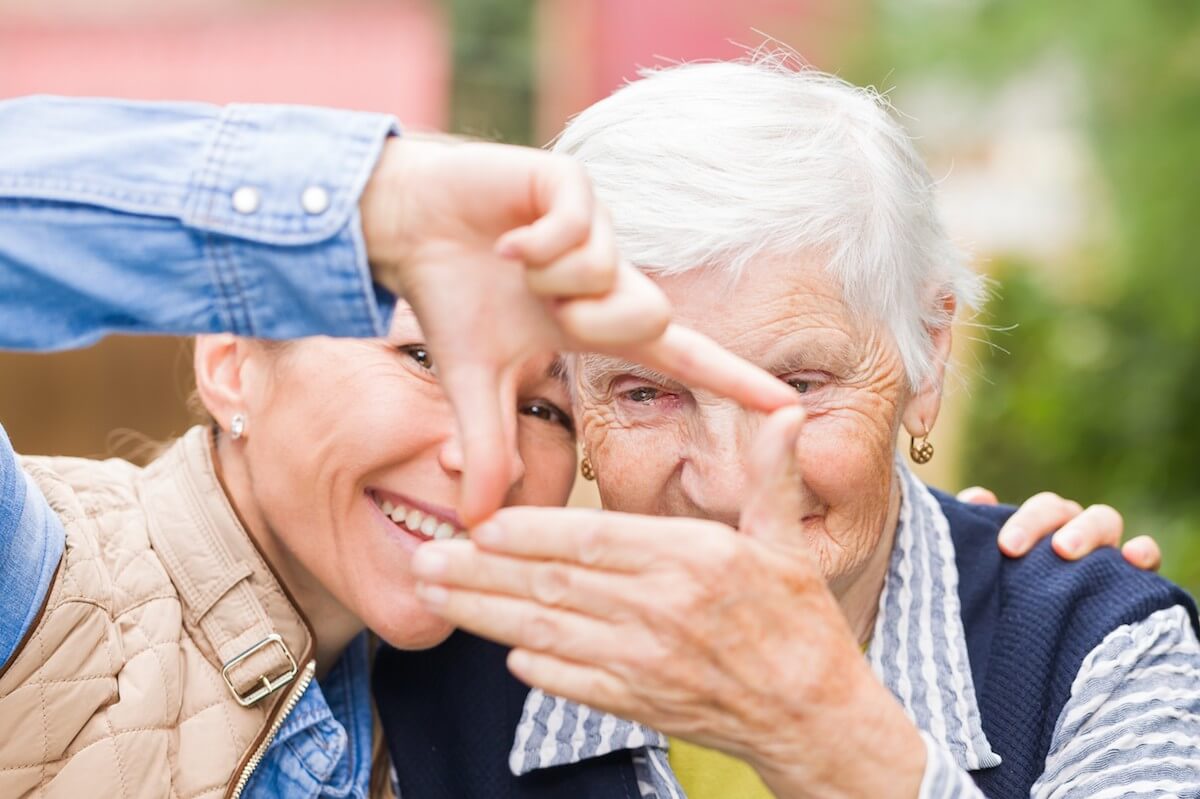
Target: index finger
<point>562,205</point>
<point>488,435</point>
<point>699,362</point>
<point>603,540</point>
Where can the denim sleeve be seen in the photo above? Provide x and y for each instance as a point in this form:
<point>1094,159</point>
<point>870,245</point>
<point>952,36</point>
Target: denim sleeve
<point>176,218</point>
<point>183,218</point>
<point>31,545</point>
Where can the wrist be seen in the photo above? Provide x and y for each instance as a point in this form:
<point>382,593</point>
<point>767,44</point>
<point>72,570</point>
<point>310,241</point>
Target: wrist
<point>867,747</point>
<point>385,218</point>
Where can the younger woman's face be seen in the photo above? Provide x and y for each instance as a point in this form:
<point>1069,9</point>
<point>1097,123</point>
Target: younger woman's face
<point>355,459</point>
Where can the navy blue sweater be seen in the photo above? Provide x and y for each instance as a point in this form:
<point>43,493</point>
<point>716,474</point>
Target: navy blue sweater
<point>1030,622</point>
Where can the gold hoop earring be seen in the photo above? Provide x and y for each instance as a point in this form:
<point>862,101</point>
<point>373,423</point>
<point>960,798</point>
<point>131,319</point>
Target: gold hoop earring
<point>921,454</point>
<point>585,468</point>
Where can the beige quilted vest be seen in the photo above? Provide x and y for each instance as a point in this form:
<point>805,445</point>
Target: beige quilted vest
<point>167,653</point>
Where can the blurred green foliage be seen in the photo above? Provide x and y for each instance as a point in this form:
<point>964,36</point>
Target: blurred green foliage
<point>1098,394</point>
<point>493,82</point>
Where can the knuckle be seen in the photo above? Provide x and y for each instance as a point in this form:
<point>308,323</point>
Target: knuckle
<point>1045,499</point>
<point>539,631</point>
<point>592,542</point>
<point>576,222</point>
<point>551,583</point>
<point>1105,517</point>
<point>595,273</point>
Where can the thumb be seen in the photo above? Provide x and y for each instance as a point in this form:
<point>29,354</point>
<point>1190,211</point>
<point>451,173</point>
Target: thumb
<point>488,434</point>
<point>774,507</point>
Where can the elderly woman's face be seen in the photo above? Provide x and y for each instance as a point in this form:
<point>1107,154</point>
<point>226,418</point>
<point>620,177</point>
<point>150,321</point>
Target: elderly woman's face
<point>659,449</point>
<point>339,427</point>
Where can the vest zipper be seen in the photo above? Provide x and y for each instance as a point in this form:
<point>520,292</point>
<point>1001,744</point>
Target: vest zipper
<point>306,677</point>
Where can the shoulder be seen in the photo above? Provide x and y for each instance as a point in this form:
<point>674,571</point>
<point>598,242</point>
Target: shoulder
<point>84,485</point>
<point>108,560</point>
<point>1140,685</point>
<point>1099,589</point>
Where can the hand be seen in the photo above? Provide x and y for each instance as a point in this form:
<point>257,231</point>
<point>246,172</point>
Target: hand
<point>503,253</point>
<point>1077,531</point>
<point>729,639</point>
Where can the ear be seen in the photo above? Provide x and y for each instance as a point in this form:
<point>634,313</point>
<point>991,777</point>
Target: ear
<point>218,366</point>
<point>921,412</point>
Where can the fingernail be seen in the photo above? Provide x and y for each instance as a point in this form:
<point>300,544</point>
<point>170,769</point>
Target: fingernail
<point>1014,540</point>
<point>1067,544</point>
<point>428,562</point>
<point>432,595</point>
<point>488,534</point>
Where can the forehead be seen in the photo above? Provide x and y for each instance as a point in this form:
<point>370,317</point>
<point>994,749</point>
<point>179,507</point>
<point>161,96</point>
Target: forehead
<point>773,298</point>
<point>781,314</point>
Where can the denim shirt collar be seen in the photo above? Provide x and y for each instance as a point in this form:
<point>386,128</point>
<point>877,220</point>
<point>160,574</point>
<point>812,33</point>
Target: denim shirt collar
<point>323,749</point>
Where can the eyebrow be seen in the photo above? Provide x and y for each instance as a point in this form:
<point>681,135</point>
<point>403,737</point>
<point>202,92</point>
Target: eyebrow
<point>806,355</point>
<point>594,368</point>
<point>557,370</point>
<point>812,353</point>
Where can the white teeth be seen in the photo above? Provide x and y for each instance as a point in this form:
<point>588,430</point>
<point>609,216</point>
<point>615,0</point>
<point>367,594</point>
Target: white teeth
<point>413,520</point>
<point>418,522</point>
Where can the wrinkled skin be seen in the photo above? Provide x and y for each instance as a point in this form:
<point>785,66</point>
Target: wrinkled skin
<point>743,627</point>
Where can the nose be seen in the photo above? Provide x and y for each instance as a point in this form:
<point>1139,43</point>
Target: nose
<point>713,477</point>
<point>452,458</point>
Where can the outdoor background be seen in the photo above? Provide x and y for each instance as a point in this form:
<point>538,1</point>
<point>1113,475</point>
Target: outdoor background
<point>1064,136</point>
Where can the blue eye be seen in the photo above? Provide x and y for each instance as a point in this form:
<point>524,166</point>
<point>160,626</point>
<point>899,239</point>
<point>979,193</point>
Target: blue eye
<point>642,395</point>
<point>801,386</point>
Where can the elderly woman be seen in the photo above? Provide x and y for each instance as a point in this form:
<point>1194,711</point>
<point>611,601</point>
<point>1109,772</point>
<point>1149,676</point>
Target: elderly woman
<point>787,216</point>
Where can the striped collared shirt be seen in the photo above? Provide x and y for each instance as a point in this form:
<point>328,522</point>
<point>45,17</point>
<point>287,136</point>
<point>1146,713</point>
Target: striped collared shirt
<point>1131,725</point>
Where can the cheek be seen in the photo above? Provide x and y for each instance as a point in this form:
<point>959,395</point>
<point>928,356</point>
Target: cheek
<point>549,458</point>
<point>633,466</point>
<point>338,419</point>
<point>847,465</point>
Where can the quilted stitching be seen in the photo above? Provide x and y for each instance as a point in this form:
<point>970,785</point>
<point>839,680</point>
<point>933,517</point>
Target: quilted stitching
<point>132,685</point>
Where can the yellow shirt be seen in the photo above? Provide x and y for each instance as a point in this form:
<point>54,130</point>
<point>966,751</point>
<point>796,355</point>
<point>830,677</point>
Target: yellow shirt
<point>709,774</point>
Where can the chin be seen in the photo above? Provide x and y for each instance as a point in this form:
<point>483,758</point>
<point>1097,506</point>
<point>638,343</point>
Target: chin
<point>416,629</point>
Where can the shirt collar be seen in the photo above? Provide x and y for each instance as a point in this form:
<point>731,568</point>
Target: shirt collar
<point>330,729</point>
<point>556,732</point>
<point>918,649</point>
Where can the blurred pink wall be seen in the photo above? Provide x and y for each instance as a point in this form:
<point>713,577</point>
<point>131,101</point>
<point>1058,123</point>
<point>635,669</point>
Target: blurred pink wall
<point>392,56</point>
<point>588,48</point>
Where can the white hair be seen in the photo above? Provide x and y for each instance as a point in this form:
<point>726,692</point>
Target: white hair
<point>713,164</point>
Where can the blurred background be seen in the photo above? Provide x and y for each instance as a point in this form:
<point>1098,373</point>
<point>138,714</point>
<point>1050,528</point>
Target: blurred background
<point>1063,135</point>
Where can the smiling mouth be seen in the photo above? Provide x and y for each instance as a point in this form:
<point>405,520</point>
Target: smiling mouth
<point>420,523</point>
